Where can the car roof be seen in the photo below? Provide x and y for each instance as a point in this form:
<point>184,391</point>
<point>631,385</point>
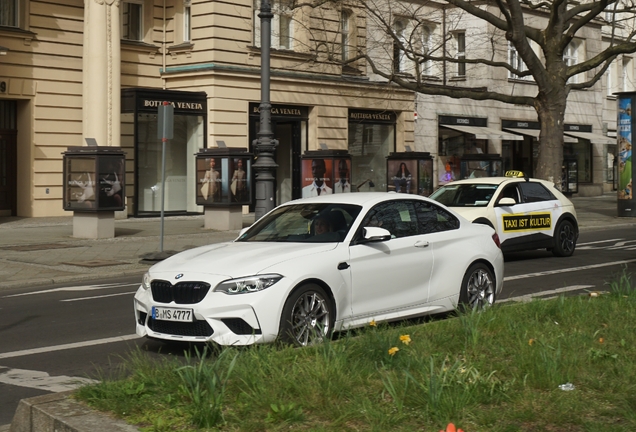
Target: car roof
<point>359,198</point>
<point>497,181</point>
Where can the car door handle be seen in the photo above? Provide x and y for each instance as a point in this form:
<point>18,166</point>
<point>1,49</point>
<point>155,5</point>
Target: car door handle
<point>343,265</point>
<point>421,244</point>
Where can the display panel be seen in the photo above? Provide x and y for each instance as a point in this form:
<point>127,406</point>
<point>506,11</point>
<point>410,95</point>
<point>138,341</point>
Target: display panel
<point>240,180</point>
<point>402,173</point>
<point>112,173</point>
<point>80,183</point>
<point>317,174</point>
<point>342,176</point>
<point>210,182</point>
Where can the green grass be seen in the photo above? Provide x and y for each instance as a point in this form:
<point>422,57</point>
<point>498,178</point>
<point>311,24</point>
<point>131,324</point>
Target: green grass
<point>498,370</point>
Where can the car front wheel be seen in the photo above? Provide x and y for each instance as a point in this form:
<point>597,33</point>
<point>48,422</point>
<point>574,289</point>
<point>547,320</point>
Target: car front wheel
<point>564,239</point>
<point>307,317</point>
<point>478,287</point>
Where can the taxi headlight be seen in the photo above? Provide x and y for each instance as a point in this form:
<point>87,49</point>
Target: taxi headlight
<point>145,281</point>
<point>248,284</point>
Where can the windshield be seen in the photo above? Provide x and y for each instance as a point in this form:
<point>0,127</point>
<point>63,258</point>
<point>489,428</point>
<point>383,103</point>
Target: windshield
<point>465,195</point>
<point>304,223</point>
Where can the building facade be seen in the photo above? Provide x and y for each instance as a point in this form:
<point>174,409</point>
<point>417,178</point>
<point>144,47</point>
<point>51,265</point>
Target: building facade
<point>203,57</point>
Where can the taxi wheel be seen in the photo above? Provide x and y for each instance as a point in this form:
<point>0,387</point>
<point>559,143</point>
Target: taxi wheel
<point>478,288</point>
<point>307,317</point>
<point>564,239</point>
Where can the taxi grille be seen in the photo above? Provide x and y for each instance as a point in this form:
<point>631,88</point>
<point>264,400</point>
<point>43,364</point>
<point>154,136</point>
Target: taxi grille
<point>196,328</point>
<point>180,293</point>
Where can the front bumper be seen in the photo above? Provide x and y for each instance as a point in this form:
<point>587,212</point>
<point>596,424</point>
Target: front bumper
<point>243,319</point>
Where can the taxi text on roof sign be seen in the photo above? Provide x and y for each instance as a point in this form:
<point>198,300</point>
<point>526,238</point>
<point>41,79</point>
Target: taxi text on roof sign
<point>513,173</point>
<point>526,222</point>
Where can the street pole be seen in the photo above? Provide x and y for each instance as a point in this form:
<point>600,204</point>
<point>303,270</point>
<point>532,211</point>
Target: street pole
<point>265,144</point>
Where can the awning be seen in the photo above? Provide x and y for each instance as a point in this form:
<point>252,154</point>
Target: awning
<point>530,132</point>
<point>536,132</point>
<point>594,138</point>
<point>484,132</point>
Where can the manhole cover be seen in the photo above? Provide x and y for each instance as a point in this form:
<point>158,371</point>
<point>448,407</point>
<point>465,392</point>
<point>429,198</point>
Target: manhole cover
<point>27,248</point>
<point>95,263</point>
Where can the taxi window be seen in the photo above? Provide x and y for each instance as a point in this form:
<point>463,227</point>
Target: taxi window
<point>465,195</point>
<point>535,192</point>
<point>432,218</point>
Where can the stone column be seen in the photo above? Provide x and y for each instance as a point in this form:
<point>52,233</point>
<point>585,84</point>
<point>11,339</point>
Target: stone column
<point>102,72</point>
<point>101,99</point>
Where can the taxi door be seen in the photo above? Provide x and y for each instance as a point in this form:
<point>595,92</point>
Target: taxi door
<point>531,221</point>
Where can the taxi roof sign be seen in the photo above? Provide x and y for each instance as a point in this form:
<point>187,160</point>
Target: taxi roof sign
<point>513,173</point>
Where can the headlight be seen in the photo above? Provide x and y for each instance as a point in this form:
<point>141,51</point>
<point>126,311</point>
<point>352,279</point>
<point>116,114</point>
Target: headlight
<point>248,284</point>
<point>145,281</point>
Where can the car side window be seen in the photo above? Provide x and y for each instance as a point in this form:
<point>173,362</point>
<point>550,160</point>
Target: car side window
<point>432,218</point>
<point>398,217</point>
<point>535,192</point>
<point>510,191</point>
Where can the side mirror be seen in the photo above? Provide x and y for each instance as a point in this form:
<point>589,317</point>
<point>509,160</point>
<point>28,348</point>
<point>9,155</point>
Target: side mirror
<point>375,234</point>
<point>507,202</point>
<point>241,232</point>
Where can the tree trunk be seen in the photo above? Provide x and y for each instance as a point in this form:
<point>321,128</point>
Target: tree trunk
<point>551,113</point>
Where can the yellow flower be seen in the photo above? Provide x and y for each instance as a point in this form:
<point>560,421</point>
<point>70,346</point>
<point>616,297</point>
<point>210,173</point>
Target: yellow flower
<point>373,323</point>
<point>393,350</point>
<point>531,341</point>
<point>601,340</point>
<point>406,339</point>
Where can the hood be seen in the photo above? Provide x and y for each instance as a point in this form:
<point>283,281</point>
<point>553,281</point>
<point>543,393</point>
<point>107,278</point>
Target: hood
<point>236,259</point>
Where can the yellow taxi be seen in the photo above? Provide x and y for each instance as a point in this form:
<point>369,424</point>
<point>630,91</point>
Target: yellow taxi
<point>526,213</point>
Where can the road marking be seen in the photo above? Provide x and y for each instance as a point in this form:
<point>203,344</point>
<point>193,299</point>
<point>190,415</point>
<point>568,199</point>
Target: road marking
<point>41,380</point>
<point>76,288</point>
<point>566,270</point>
<point>529,297</point>
<point>96,297</point>
<point>67,346</point>
<point>597,242</point>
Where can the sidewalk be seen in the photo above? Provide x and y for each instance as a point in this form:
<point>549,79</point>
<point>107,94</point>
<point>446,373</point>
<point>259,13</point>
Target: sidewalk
<point>43,250</point>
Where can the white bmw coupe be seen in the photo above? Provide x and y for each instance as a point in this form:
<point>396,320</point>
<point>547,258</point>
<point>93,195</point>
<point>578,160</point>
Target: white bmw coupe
<point>318,265</point>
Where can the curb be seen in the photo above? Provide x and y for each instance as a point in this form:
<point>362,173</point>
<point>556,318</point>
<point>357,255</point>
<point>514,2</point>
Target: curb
<point>59,412</point>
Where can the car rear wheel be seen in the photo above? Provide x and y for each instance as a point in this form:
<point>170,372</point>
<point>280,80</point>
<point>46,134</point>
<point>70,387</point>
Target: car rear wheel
<point>307,317</point>
<point>478,287</point>
<point>564,239</point>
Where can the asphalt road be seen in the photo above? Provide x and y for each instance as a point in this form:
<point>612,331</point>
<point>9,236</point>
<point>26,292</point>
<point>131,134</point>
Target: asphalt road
<point>64,334</point>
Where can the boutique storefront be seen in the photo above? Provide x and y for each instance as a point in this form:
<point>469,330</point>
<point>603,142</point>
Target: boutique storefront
<point>142,143</point>
<point>468,148</point>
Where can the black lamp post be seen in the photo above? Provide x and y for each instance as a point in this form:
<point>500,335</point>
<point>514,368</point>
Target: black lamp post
<point>265,144</point>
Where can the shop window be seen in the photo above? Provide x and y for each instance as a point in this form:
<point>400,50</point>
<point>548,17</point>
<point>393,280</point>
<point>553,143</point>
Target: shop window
<point>582,151</point>
<point>369,145</point>
<point>282,24</point>
<point>132,20</point>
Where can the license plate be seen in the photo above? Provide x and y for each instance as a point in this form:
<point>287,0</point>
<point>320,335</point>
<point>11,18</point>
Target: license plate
<point>172,314</point>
